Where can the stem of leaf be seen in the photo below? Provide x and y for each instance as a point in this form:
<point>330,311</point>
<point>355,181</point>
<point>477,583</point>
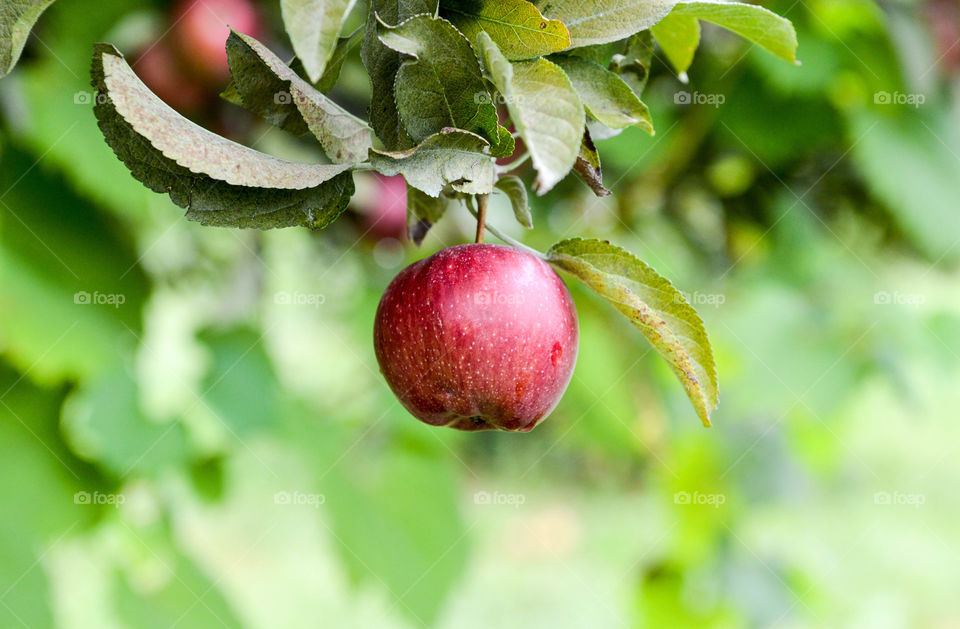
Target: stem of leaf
<point>481,215</point>
<point>499,234</point>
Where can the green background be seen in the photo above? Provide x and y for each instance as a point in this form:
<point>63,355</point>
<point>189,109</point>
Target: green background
<point>206,455</point>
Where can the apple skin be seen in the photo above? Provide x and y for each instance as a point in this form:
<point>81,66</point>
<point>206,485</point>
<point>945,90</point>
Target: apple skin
<point>477,337</point>
<point>201,28</point>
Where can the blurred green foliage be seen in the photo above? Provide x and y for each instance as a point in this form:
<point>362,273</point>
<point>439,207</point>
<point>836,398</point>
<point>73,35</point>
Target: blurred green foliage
<point>219,448</point>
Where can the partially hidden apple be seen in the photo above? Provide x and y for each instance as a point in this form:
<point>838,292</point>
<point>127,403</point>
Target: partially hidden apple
<point>201,27</point>
<point>477,337</point>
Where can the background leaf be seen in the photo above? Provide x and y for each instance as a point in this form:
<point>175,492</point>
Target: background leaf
<point>453,157</point>
<point>314,28</point>
<point>544,108</point>
<point>678,36</point>
<point>17,17</point>
<point>516,26</point>
<point>423,211</point>
<point>219,181</point>
<point>652,304</point>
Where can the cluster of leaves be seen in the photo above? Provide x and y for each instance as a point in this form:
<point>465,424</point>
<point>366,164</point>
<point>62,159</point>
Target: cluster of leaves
<point>449,78</point>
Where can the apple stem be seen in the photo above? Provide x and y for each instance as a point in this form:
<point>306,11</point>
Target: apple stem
<point>481,215</point>
<point>499,234</point>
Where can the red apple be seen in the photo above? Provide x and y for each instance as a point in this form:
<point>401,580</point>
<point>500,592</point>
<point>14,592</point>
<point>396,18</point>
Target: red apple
<point>201,28</point>
<point>387,214</point>
<point>477,337</point>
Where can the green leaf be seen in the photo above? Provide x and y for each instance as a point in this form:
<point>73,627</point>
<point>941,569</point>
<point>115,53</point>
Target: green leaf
<point>452,157</point>
<point>601,21</point>
<point>513,187</point>
<point>588,166</point>
<point>314,27</point>
<point>653,305</point>
<point>678,37</point>
<point>544,108</point>
<point>761,26</point>
<point>633,64</point>
<point>219,182</point>
<point>423,211</point>
<point>442,86</point>
<point>17,17</point>
<point>516,26</point>
<point>331,74</point>
<point>382,64</point>
<point>605,96</point>
<point>270,88</point>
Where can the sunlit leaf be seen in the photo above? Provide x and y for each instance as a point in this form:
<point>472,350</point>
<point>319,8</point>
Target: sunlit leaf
<point>17,17</point>
<point>544,108</point>
<point>653,305</point>
<point>516,26</point>
<point>314,28</point>
<point>605,96</point>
